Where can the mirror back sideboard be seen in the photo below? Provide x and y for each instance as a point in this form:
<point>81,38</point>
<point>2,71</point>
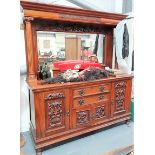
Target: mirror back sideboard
<point>62,111</point>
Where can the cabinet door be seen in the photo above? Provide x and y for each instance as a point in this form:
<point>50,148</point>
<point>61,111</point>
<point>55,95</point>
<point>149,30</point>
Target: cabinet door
<point>101,112</point>
<point>121,97</point>
<point>81,116</point>
<point>55,114</point>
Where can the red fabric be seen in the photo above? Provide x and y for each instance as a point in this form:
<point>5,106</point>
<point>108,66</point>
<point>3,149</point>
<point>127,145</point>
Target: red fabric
<point>75,64</point>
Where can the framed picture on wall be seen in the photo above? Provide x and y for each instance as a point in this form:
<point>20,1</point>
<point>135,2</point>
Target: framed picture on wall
<point>46,44</point>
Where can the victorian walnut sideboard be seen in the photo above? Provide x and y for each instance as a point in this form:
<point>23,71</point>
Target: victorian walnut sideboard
<point>62,111</point>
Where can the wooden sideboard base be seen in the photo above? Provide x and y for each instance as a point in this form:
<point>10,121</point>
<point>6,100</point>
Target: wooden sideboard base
<point>61,112</point>
<point>49,140</point>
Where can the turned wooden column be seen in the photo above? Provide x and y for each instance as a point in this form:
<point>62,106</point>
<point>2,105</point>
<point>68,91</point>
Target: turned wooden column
<point>30,59</point>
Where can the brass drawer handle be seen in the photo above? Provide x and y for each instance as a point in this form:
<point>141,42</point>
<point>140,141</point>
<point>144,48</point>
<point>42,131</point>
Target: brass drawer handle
<point>101,88</point>
<point>101,97</point>
<point>81,101</point>
<point>81,92</point>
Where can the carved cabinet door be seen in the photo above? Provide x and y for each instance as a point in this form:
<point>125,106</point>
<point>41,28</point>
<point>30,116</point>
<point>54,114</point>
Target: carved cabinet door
<point>101,112</point>
<point>81,116</point>
<point>55,114</point>
<point>121,97</point>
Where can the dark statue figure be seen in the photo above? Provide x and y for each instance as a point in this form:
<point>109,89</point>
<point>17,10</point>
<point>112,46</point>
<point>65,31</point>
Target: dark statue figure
<point>125,49</point>
<point>44,71</point>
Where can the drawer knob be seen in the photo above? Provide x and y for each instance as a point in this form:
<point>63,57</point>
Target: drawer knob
<point>101,88</point>
<point>81,92</point>
<point>101,97</point>
<point>81,101</point>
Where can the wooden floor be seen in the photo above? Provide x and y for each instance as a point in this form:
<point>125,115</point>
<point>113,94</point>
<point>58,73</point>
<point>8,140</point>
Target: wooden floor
<point>128,150</point>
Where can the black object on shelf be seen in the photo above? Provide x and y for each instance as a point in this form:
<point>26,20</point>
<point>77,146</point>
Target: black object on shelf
<point>44,72</point>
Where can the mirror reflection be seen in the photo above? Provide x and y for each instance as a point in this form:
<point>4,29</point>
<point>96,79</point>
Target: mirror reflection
<point>54,46</point>
<point>60,46</point>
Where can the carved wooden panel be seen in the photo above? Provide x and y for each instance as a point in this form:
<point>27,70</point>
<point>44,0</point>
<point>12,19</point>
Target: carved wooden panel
<point>120,88</point>
<point>120,84</point>
<point>69,27</point>
<point>100,112</point>
<point>83,117</point>
<point>54,96</point>
<point>54,114</point>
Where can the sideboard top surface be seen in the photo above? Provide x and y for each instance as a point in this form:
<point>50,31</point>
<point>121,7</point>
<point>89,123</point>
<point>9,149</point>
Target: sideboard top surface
<point>35,85</point>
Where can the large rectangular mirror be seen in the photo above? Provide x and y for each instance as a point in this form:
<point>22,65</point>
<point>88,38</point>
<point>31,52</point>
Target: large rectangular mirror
<point>61,46</point>
<point>54,46</point>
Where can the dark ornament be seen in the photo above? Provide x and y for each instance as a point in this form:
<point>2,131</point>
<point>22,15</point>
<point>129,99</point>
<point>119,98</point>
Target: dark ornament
<point>120,88</point>
<point>125,49</point>
<point>44,71</point>
<point>132,61</point>
<point>83,117</point>
<point>68,27</point>
<point>55,111</point>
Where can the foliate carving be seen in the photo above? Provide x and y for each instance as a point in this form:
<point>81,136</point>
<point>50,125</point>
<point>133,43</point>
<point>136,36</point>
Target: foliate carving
<point>28,19</point>
<point>100,112</point>
<point>68,27</point>
<point>54,111</point>
<point>120,84</point>
<point>120,88</point>
<point>83,117</point>
<point>54,96</point>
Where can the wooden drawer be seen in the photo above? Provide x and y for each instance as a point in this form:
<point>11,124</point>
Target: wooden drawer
<point>83,101</point>
<point>90,90</point>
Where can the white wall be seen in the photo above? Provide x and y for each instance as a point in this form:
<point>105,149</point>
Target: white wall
<point>24,104</point>
<point>118,6</point>
<point>108,5</point>
<point>41,37</point>
<point>105,5</point>
<point>59,2</point>
<point>100,49</point>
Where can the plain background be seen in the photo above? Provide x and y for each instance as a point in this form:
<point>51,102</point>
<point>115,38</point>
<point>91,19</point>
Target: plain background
<point>144,82</point>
